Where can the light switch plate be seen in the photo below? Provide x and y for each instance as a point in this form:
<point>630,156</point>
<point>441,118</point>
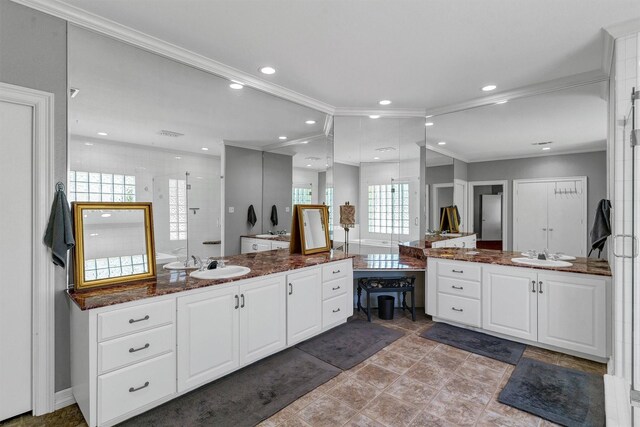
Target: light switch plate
<point>286,209</point>
<point>232,209</point>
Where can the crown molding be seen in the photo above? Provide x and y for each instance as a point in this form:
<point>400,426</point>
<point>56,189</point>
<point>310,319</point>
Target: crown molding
<point>608,43</point>
<point>624,28</point>
<point>152,44</point>
<point>576,80</point>
<point>388,113</point>
<point>446,152</point>
<point>291,142</point>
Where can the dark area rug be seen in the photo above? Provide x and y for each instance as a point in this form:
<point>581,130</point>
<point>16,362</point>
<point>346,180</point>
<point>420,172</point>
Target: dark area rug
<point>351,343</point>
<point>476,342</point>
<point>561,395</point>
<point>245,397</point>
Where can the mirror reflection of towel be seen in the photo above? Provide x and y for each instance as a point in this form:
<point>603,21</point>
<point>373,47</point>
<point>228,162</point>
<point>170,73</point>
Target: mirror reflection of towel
<point>601,226</point>
<point>274,215</point>
<point>251,216</point>
<point>59,234</point>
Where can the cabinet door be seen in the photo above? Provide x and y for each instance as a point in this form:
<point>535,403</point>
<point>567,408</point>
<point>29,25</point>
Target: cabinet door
<point>246,245</point>
<point>572,312</point>
<point>509,301</point>
<point>530,216</point>
<point>207,336</point>
<point>263,313</point>
<point>567,217</point>
<point>304,305</point>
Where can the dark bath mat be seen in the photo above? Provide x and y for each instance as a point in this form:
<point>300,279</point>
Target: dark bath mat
<point>561,395</point>
<point>349,344</point>
<point>245,397</point>
<point>476,342</point>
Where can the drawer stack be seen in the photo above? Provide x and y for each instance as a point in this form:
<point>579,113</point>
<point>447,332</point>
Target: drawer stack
<point>337,293</point>
<point>458,292</point>
<point>136,358</point>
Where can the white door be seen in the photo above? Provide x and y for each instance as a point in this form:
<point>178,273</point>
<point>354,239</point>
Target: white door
<point>263,318</point>
<point>460,200</point>
<point>572,312</point>
<point>304,305</point>
<point>16,139</point>
<point>567,217</point>
<point>530,216</point>
<point>510,301</point>
<point>207,336</point>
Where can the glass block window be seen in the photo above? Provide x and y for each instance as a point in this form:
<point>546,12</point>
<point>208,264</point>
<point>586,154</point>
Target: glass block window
<point>301,195</point>
<point>119,266</point>
<point>388,208</point>
<point>100,187</point>
<point>328,200</point>
<point>177,209</point>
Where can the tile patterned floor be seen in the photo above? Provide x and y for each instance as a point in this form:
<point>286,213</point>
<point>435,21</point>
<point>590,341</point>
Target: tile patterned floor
<point>412,382</point>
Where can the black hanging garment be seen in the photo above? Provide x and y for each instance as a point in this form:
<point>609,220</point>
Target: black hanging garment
<point>274,215</point>
<point>251,216</point>
<point>601,226</point>
<point>59,233</point>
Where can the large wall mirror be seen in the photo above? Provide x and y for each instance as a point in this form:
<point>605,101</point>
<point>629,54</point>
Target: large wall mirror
<point>144,128</point>
<point>527,173</point>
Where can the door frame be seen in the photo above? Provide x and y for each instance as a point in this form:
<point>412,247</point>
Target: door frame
<point>435,211</point>
<point>582,179</point>
<point>505,206</point>
<point>43,270</point>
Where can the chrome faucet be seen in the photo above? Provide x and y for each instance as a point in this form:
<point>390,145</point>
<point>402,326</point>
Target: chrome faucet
<point>197,262</point>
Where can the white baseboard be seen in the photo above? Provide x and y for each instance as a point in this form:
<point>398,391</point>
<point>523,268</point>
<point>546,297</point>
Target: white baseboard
<point>617,403</point>
<point>64,398</point>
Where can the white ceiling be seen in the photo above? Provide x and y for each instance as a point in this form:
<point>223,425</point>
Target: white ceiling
<point>419,54</point>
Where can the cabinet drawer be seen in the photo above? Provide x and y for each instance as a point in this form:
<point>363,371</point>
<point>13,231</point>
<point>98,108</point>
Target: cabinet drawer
<point>463,288</point>
<point>129,320</point>
<point>336,287</point>
<point>279,245</point>
<point>127,389</point>
<point>459,309</point>
<point>334,310</point>
<point>459,270</point>
<point>336,270</point>
<point>119,352</point>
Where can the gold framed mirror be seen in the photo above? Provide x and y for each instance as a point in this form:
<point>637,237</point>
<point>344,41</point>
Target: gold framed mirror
<point>310,229</point>
<point>114,243</point>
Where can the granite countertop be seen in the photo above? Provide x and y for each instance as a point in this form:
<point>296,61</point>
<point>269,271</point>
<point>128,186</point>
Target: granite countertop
<point>594,266</point>
<point>381,262</point>
<point>431,238</point>
<point>168,282</point>
<point>274,237</point>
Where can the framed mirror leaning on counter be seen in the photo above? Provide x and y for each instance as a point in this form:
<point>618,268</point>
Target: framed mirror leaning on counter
<point>114,243</point>
<point>310,229</point>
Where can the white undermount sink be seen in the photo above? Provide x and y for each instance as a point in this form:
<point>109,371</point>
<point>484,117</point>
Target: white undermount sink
<point>541,262</point>
<point>221,273</point>
<point>179,265</point>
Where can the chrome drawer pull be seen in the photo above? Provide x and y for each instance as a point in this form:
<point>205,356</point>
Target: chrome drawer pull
<point>290,289</point>
<point>133,350</point>
<point>456,309</point>
<point>139,320</point>
<point>336,310</point>
<point>237,301</point>
<point>336,288</point>
<point>242,304</point>
<point>132,389</point>
<point>336,271</point>
<point>457,287</point>
<point>540,290</point>
<point>533,286</point>
<point>457,271</point>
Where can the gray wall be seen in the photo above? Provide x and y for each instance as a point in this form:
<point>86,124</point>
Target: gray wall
<point>591,165</point>
<point>33,54</point>
<point>242,188</point>
<point>460,169</point>
<point>346,179</point>
<point>277,181</point>
<point>440,174</point>
<point>322,187</point>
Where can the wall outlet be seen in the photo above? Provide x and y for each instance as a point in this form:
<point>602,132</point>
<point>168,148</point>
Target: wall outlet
<point>287,209</point>
<point>232,209</point>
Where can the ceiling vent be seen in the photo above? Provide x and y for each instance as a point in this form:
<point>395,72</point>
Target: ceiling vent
<point>170,134</point>
<point>385,149</point>
<point>542,143</point>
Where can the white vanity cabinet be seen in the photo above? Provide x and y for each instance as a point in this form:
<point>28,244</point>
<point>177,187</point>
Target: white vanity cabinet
<point>457,242</point>
<point>304,305</point>
<point>567,311</point>
<point>251,245</point>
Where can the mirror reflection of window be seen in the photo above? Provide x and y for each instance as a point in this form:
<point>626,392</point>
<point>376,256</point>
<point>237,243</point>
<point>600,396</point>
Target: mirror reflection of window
<point>388,208</point>
<point>301,194</point>
<point>177,209</point>
<point>101,187</point>
<point>314,233</point>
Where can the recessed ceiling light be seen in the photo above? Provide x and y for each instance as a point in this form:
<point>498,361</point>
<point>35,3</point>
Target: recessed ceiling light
<point>374,116</point>
<point>94,234</point>
<point>178,157</point>
<point>385,149</point>
<point>442,143</point>
<point>267,70</point>
<point>376,158</point>
<point>103,133</point>
<point>502,102</point>
<point>304,142</point>
<point>429,124</point>
<point>105,215</point>
<point>204,149</point>
<point>428,117</point>
<point>384,102</point>
<point>310,122</point>
<point>546,148</point>
<point>236,86</point>
<point>308,166</point>
<point>88,143</point>
<point>282,137</point>
<point>489,88</point>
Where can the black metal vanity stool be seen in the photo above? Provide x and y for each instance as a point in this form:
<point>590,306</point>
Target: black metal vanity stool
<point>374,285</point>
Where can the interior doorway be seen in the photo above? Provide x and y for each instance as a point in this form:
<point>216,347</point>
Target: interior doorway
<point>487,214</point>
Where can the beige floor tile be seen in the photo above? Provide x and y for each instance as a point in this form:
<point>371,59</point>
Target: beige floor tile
<point>293,422</point>
<point>541,354</point>
<point>491,419</point>
<point>425,343</point>
<point>431,375</point>
<point>452,351</point>
<point>323,388</point>
<point>449,408</point>
<point>465,389</point>
<point>408,348</point>
<point>392,361</point>
<point>480,373</point>
<point>425,419</point>
<point>494,364</point>
<point>582,364</point>
<point>376,376</point>
<point>510,412</point>
<point>305,400</point>
<point>443,360</point>
<point>390,411</point>
<point>354,393</point>
<point>356,368</point>
<point>360,420</point>
<point>412,391</point>
<point>545,423</point>
<point>326,411</point>
<point>281,416</point>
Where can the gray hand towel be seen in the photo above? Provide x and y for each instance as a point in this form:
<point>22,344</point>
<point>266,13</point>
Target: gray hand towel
<point>251,216</point>
<point>274,215</point>
<point>601,226</point>
<point>59,234</point>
